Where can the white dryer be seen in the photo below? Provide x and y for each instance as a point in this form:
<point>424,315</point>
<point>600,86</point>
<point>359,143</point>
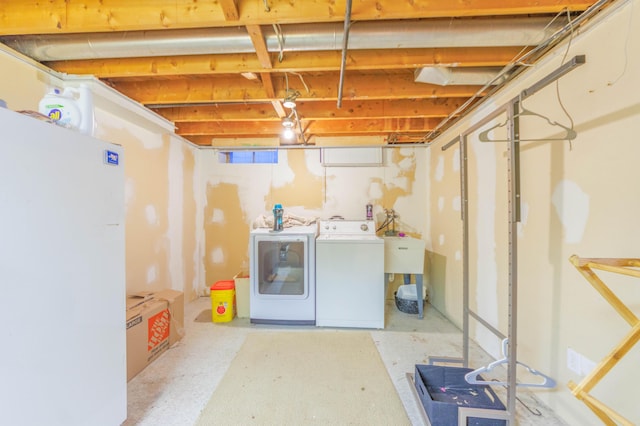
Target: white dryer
<point>282,276</point>
<point>349,275</point>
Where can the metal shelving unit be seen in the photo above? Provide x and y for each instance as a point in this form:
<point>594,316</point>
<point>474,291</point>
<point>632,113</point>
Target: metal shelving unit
<point>512,109</point>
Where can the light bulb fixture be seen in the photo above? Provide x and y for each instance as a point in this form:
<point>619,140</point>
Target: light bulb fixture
<point>288,133</point>
<point>290,98</point>
<point>288,123</point>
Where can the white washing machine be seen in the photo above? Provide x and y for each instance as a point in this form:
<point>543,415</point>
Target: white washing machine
<point>349,274</point>
<point>282,276</point>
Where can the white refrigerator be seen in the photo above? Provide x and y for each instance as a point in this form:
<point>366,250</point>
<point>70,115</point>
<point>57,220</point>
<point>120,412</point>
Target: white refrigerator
<point>62,276</point>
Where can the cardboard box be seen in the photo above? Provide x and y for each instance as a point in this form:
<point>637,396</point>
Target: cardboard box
<point>155,321</point>
<point>242,295</point>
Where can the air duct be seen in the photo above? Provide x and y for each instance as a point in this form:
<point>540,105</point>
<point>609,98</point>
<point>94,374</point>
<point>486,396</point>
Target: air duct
<point>446,76</point>
<point>424,33</point>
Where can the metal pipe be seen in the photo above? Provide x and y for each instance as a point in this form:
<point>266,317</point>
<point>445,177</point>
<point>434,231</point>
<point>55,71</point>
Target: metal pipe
<point>345,42</point>
<point>394,34</point>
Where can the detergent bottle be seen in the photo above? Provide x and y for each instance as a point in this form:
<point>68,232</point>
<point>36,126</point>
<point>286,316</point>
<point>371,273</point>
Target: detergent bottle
<point>71,108</point>
<point>278,212</point>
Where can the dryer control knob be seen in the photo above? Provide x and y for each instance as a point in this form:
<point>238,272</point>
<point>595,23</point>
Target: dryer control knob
<point>364,227</point>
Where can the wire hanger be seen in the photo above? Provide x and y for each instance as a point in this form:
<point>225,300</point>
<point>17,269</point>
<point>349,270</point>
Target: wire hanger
<point>472,377</point>
<point>570,134</point>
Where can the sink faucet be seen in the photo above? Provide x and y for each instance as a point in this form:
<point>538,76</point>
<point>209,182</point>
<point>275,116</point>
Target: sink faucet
<point>390,220</point>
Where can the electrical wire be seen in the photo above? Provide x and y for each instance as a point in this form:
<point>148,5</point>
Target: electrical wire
<point>280,37</point>
<point>626,47</point>
<point>564,58</point>
<point>547,44</point>
<point>302,81</point>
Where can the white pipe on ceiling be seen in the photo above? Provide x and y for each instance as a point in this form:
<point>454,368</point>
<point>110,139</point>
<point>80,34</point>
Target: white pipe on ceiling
<point>424,33</point>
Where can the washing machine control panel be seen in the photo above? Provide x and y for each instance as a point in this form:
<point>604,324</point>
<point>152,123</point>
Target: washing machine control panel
<point>347,227</point>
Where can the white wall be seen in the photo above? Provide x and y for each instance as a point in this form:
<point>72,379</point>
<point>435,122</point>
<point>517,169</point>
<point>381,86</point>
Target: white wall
<point>577,198</point>
<point>238,193</point>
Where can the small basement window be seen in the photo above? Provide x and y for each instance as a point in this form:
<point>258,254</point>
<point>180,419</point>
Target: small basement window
<point>248,157</point>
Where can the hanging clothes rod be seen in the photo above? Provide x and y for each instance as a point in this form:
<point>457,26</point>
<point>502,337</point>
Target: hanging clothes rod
<point>569,134</point>
<point>524,94</point>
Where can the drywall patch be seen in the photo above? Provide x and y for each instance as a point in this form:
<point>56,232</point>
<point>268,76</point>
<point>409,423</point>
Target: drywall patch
<point>293,184</point>
<point>217,216</point>
<point>226,241</point>
<point>407,163</point>
<point>440,203</point>
<point>441,239</point>
<point>286,174</point>
<point>217,255</point>
<point>440,169</point>
<point>151,214</point>
<point>375,191</point>
<point>456,203</point>
<point>458,255</point>
<point>152,274</point>
<point>571,205</point>
<point>403,183</point>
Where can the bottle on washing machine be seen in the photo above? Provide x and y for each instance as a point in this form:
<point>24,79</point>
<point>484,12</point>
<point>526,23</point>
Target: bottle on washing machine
<point>278,212</point>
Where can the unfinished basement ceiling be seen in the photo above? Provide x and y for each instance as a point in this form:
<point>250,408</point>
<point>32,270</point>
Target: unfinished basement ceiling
<point>221,69</point>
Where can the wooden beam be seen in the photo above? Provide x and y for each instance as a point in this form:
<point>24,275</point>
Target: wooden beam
<point>319,128</point>
<point>61,16</point>
<point>320,110</point>
<point>230,10</point>
<point>321,87</point>
<point>293,62</point>
<point>259,44</point>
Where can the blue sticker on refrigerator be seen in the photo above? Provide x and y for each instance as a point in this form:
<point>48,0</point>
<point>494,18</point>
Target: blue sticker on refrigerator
<point>111,157</point>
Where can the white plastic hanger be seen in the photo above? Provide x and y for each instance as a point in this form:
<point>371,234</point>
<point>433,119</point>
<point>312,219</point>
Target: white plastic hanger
<point>570,134</point>
<point>472,377</point>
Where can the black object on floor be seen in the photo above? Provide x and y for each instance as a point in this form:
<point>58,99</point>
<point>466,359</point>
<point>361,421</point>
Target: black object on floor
<point>443,389</point>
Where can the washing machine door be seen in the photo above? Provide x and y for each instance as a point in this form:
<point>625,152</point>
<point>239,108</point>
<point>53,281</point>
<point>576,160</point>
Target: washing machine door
<point>280,265</point>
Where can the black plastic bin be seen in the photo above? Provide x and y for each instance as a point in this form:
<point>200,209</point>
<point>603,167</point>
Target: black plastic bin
<point>443,389</point>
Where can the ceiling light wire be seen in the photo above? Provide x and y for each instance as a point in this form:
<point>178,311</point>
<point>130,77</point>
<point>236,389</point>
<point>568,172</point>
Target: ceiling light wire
<point>302,81</point>
<point>280,37</point>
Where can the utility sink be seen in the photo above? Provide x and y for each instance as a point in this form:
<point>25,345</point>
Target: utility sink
<point>403,255</point>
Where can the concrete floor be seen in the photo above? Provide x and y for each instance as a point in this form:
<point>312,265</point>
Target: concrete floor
<point>176,387</point>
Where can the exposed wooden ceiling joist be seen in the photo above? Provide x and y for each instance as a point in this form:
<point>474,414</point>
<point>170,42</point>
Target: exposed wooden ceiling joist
<point>60,16</point>
<point>320,110</point>
<point>292,62</point>
<point>238,96</point>
<point>230,88</point>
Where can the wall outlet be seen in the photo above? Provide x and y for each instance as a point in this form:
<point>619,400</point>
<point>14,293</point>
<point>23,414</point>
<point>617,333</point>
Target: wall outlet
<point>573,361</point>
<point>578,363</point>
<point>586,366</point>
